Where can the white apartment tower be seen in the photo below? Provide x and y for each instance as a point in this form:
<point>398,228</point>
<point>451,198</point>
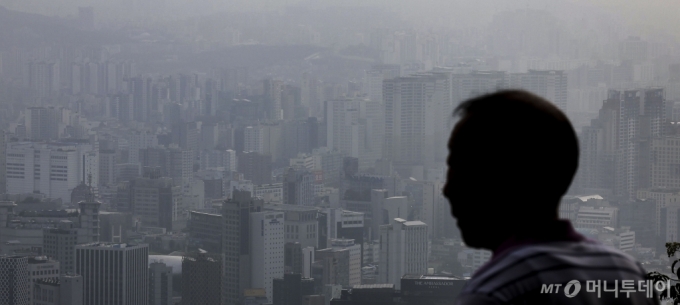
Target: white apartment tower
<point>266,237</point>
<point>417,112</point>
<point>253,139</point>
<point>403,250</point>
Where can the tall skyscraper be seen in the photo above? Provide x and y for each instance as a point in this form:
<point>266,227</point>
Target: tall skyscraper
<point>201,279</point>
<point>403,250</point>
<point>417,109</point>
<point>237,257</point>
<point>15,285</point>
<point>642,118</point>
<point>126,264</point>
<point>374,79</point>
<point>273,90</point>
<point>342,126</point>
<point>107,167</point>
<point>599,148</point>
<point>266,238</point>
<point>253,139</point>
<point>160,284</point>
<point>298,188</point>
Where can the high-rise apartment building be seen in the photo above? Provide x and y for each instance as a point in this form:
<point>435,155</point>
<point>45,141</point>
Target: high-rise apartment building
<point>186,136</point>
<point>618,147</point>
<point>253,139</point>
<point>273,90</point>
<point>266,239</point>
<point>114,273</point>
<point>43,78</point>
<point>403,250</point>
<point>374,79</point>
<point>549,84</point>
<point>665,166</point>
<point>264,139</point>
<point>140,139</point>
<point>417,109</point>
<point>642,118</point>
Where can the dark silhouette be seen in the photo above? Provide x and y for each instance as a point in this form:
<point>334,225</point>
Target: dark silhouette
<point>512,157</point>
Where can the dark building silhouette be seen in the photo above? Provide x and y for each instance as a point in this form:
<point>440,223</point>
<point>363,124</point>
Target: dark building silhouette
<point>236,244</point>
<point>640,216</point>
<point>255,167</point>
<point>292,258</point>
<point>201,279</point>
<point>373,294</point>
<point>291,289</point>
<point>298,186</point>
<point>205,231</point>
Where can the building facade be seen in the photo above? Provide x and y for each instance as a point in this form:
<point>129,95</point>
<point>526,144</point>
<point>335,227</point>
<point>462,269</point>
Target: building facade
<point>126,264</point>
<point>403,250</point>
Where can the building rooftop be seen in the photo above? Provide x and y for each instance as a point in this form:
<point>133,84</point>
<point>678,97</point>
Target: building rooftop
<point>289,207</point>
<point>108,245</point>
<point>40,260</point>
<point>373,286</point>
<point>431,277</point>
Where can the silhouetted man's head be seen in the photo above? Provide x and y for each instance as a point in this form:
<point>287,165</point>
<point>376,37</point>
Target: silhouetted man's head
<point>512,156</point>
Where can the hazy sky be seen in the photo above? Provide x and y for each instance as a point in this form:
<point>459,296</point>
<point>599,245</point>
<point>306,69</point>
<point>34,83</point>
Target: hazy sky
<point>646,18</point>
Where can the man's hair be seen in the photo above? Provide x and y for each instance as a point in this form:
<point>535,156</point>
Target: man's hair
<point>518,142</point>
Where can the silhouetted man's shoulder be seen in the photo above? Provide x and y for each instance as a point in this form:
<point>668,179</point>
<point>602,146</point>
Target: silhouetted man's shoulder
<point>540,274</point>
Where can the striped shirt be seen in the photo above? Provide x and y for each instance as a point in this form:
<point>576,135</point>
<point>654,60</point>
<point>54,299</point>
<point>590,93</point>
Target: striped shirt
<point>539,274</point>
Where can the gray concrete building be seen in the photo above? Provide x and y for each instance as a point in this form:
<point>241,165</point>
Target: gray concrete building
<point>126,263</point>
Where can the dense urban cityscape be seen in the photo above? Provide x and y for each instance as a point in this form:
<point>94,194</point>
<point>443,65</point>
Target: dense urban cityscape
<point>295,155</point>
